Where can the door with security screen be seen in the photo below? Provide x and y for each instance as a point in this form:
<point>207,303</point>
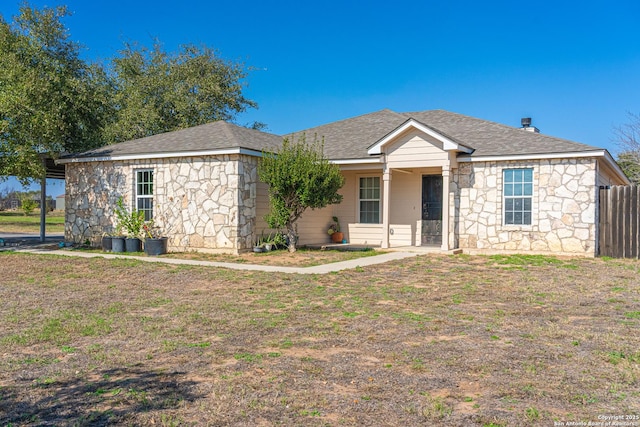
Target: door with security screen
<point>432,210</point>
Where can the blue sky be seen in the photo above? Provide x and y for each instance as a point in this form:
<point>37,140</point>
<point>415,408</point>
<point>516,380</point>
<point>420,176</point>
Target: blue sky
<point>574,67</point>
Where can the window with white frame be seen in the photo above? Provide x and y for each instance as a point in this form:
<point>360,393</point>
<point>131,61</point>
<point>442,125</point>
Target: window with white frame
<point>369,200</point>
<point>517,185</point>
<point>144,192</point>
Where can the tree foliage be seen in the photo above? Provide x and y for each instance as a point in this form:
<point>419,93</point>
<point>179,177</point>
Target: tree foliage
<point>50,99</point>
<point>156,91</point>
<point>299,177</point>
<point>628,138</point>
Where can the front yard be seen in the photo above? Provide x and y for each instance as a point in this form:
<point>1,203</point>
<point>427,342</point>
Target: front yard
<point>431,340</point>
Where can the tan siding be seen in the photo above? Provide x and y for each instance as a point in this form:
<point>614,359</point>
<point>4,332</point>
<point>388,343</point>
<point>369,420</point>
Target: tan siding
<point>406,197</point>
<point>262,209</point>
<point>400,235</point>
<point>313,226</point>
<point>365,234</point>
<point>415,150</point>
<point>606,176</point>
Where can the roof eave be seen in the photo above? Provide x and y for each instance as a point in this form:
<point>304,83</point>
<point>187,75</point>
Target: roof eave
<point>366,160</point>
<point>174,154</point>
<point>602,153</point>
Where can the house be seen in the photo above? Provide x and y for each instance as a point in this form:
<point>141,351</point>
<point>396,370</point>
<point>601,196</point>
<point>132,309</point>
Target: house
<point>60,202</point>
<point>431,178</point>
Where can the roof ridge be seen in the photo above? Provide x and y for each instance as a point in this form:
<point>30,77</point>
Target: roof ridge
<point>384,110</point>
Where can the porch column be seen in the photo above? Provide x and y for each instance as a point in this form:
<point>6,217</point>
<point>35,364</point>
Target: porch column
<point>445,207</point>
<point>386,202</point>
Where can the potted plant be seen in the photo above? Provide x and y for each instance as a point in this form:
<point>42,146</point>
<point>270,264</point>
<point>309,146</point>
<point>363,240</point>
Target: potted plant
<point>257,247</point>
<point>132,222</point>
<point>280,241</point>
<point>154,243</point>
<point>334,231</point>
<point>117,240</point>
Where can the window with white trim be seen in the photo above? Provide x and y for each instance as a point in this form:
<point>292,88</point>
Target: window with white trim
<point>517,185</point>
<point>144,192</point>
<point>369,200</point>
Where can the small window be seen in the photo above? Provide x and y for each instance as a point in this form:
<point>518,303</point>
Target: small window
<point>144,193</point>
<point>369,197</point>
<point>518,195</point>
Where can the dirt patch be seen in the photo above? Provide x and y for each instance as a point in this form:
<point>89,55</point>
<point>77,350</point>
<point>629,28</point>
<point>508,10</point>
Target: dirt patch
<point>431,340</point>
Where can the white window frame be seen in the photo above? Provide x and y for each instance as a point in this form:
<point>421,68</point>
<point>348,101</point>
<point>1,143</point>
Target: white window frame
<point>513,196</point>
<point>148,211</point>
<point>379,199</point>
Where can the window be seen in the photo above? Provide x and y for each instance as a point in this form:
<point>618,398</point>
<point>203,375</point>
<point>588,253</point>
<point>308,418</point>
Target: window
<point>518,192</point>
<point>144,193</point>
<point>369,196</point>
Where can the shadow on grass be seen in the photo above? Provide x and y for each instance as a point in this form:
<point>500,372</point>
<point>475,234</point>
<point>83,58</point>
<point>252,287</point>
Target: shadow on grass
<point>115,396</point>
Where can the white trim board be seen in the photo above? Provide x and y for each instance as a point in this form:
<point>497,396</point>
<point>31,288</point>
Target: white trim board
<point>107,158</point>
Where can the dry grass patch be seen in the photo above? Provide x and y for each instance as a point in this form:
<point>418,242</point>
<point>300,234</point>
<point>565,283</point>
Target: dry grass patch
<point>300,258</point>
<point>432,340</point>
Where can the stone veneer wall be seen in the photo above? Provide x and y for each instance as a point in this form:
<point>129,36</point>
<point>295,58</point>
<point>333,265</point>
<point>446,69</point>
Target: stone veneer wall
<point>563,207</point>
<point>199,202</point>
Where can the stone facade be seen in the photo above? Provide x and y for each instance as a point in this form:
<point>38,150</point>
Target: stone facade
<point>563,208</point>
<point>204,203</point>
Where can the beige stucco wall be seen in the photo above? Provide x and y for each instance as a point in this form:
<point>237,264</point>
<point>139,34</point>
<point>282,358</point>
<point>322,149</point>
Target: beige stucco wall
<point>563,208</point>
<point>200,202</point>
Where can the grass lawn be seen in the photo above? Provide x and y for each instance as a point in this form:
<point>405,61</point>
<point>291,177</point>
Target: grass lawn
<point>17,222</point>
<point>431,340</point>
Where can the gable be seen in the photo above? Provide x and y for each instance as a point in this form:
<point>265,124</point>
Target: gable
<point>413,149</point>
<point>448,143</point>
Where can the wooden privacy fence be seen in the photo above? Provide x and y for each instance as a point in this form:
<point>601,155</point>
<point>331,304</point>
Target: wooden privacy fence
<point>619,222</point>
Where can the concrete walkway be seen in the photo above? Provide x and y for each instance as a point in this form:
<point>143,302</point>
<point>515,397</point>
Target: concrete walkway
<point>317,269</point>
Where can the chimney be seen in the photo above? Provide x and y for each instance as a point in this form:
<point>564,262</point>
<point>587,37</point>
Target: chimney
<point>526,125</point>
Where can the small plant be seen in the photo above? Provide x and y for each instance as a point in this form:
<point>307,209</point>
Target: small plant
<point>532,414</point>
<point>436,409</point>
<point>132,222</point>
<point>334,227</point>
<point>151,230</point>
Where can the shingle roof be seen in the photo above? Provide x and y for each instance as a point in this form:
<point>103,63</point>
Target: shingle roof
<point>494,139</point>
<point>207,137</point>
<point>350,138</point>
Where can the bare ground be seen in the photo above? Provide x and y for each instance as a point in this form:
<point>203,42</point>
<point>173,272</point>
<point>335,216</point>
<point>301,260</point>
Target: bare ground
<point>433,340</point>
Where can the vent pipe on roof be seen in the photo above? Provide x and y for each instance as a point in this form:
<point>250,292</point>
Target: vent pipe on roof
<point>526,125</point>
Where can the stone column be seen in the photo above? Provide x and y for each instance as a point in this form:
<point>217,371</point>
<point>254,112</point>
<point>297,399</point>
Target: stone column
<point>386,204</point>
<point>445,207</point>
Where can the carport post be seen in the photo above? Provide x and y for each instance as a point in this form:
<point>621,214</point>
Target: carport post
<point>43,202</point>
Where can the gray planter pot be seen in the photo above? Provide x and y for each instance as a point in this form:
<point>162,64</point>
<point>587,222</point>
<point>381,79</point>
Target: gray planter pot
<point>117,244</point>
<point>156,246</point>
<point>106,243</point>
<point>133,244</point>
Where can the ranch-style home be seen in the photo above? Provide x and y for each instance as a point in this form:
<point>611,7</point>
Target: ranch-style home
<point>429,178</point>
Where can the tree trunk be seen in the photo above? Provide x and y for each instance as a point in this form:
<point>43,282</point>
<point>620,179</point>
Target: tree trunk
<point>293,237</point>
